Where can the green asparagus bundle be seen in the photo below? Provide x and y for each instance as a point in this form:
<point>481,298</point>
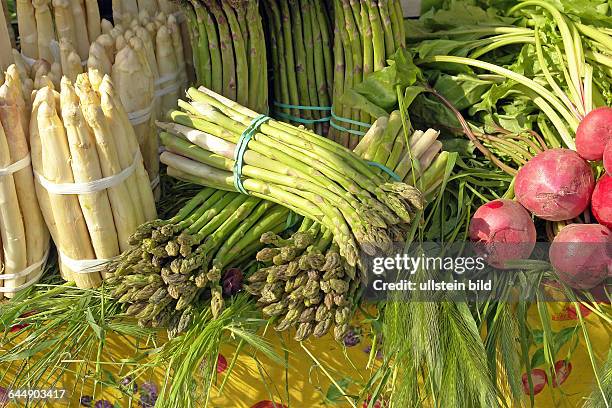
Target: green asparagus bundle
<point>299,32</point>
<point>229,49</point>
<point>174,264</point>
<point>367,33</point>
<point>291,166</point>
<point>307,284</point>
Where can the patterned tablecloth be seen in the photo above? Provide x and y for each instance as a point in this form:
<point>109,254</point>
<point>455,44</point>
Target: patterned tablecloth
<point>306,384</point>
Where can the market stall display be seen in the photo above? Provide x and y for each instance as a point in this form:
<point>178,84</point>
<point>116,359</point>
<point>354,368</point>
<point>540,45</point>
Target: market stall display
<point>246,178</point>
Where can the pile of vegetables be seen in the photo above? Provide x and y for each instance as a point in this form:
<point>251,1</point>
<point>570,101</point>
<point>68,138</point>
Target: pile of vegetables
<point>80,136</point>
<point>229,49</point>
<point>24,236</point>
<point>366,34</point>
<point>300,38</point>
<point>264,217</point>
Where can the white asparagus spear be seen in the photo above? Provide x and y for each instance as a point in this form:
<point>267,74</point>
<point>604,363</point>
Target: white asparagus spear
<point>124,213</point>
<point>44,29</point>
<point>129,10</point>
<point>97,51</point>
<point>105,26</point>
<point>26,23</point>
<point>134,83</point>
<point>6,55</point>
<point>80,22</point>
<point>64,22</point>
<point>108,43</point>
<point>11,221</point>
<point>168,68</point>
<point>93,19</point>
<point>177,43</point>
<point>123,130</point>
<point>13,76</point>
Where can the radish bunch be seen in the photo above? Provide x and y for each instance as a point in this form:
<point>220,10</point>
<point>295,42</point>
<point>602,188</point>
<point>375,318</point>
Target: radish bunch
<point>558,185</point>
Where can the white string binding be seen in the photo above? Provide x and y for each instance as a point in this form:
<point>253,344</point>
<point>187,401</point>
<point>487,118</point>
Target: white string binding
<point>166,78</point>
<point>155,182</point>
<point>83,266</point>
<point>25,272</point>
<point>167,90</point>
<point>91,186</point>
<point>15,167</point>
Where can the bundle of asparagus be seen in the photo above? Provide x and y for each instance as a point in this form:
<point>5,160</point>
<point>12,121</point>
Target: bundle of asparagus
<point>24,237</point>
<point>300,38</point>
<point>307,284</point>
<point>291,166</point>
<point>367,33</point>
<point>177,262</point>
<point>91,183</point>
<point>229,49</point>
<point>124,11</point>
<point>43,22</point>
<point>147,66</point>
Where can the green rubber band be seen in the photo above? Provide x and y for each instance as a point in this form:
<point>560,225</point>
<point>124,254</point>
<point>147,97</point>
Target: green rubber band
<point>351,121</point>
<point>343,129</point>
<point>302,107</point>
<point>241,148</point>
<point>292,118</point>
<point>387,170</point>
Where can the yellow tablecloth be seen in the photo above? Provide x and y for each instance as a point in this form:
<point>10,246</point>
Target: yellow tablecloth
<point>306,385</point>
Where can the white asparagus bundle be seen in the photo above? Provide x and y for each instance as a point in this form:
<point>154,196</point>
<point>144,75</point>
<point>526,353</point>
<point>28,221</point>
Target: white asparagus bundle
<point>26,23</point>
<point>25,238</point>
<point>69,228</point>
<point>6,54</point>
<point>92,186</point>
<point>85,164</point>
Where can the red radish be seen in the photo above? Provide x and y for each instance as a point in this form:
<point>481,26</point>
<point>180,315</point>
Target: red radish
<point>555,185</point>
<point>502,230</point>
<point>539,380</point>
<point>268,404</point>
<point>601,201</point>
<point>221,363</point>
<point>581,254</point>
<point>593,133</point>
<point>563,368</point>
<point>607,158</point>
